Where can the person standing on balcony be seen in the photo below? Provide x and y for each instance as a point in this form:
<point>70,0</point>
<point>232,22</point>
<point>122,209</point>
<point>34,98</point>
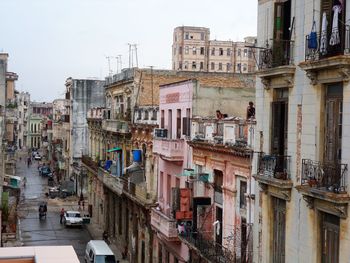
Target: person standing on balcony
<point>250,111</point>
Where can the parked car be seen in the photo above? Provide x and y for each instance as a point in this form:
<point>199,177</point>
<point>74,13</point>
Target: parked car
<point>66,189</point>
<point>46,171</point>
<point>72,218</point>
<point>98,251</point>
<point>37,157</point>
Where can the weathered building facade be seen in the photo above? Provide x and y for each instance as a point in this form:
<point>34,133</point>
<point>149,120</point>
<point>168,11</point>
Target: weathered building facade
<point>194,51</point>
<point>303,128</point>
<point>180,161</point>
<point>23,102</point>
<point>82,94</point>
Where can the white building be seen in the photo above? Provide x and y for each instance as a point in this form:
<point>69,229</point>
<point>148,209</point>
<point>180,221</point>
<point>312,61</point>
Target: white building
<point>303,132</point>
<point>23,102</point>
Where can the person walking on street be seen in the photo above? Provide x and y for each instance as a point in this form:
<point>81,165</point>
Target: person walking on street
<point>61,215</point>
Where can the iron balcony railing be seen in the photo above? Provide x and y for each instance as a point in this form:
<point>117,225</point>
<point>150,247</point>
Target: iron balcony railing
<point>321,48</point>
<point>275,166</point>
<point>210,249</point>
<point>280,54</point>
<point>327,176</point>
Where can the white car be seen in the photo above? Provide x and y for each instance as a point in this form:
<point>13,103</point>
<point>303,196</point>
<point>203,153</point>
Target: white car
<point>37,157</point>
<point>72,218</point>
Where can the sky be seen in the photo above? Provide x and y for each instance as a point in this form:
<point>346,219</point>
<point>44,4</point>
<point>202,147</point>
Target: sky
<point>51,40</point>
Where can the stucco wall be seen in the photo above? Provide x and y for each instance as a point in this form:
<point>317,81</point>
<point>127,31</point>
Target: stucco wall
<point>86,94</point>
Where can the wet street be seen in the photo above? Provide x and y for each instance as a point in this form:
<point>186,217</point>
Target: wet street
<point>49,231</point>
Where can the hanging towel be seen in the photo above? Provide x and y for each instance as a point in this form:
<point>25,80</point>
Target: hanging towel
<point>335,39</point>
<point>323,41</point>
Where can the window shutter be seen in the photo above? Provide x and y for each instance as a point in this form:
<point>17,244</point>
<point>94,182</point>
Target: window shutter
<point>186,126</point>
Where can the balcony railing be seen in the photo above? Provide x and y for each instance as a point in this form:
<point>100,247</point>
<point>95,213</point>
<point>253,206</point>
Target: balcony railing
<point>212,251</point>
<point>330,177</point>
<point>275,166</point>
<point>323,51</point>
<point>164,224</point>
<point>280,54</point>
<point>115,126</point>
<point>89,162</point>
<point>170,149</point>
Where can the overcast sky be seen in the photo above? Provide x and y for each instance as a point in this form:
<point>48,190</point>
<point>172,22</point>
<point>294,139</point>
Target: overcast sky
<point>50,40</point>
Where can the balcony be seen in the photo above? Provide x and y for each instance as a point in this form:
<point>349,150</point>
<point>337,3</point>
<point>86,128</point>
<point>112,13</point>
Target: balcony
<point>170,150</point>
<point>116,126</point>
<point>324,186</point>
<point>208,249</point>
<point>89,163</point>
<point>113,183</point>
<point>328,61</point>
<point>163,224</point>
<point>276,68</point>
<point>273,175</point>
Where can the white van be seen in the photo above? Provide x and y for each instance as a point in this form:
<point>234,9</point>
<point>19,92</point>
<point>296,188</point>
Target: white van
<point>97,251</point>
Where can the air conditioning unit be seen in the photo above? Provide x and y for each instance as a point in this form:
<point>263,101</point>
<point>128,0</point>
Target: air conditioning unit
<point>160,133</point>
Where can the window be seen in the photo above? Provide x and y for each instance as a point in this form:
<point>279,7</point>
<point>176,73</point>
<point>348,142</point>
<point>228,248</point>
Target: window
<point>220,66</point>
<point>245,52</point>
<point>186,123</point>
<point>180,50</point>
<point>239,67</point>
<point>202,35</point>
<point>154,115</point>
<point>213,51</point>
<point>202,50</point>
<point>186,49</point>
<point>242,191</point>
<point>228,52</point>
<point>146,116</point>
<point>239,52</point>
<point>244,67</point>
<point>139,114</point>
<point>201,67</point>
<point>161,178</point>
<point>212,65</point>
<point>249,53</point>
<point>194,65</point>
<point>180,65</point>
<point>168,192</point>
<point>228,66</point>
<point>186,65</point>
<point>170,124</point>
<point>187,35</point>
<point>194,50</point>
<point>178,124</point>
<point>162,119</point>
<point>221,51</point>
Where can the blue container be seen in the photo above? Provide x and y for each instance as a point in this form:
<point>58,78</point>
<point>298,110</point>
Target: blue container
<point>136,155</point>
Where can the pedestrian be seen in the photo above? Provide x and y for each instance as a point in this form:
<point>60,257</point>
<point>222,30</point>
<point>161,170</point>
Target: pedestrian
<point>61,215</point>
<point>250,111</point>
<point>83,204</point>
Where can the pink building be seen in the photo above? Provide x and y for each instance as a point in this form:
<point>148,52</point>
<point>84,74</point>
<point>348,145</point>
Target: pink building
<point>173,156</point>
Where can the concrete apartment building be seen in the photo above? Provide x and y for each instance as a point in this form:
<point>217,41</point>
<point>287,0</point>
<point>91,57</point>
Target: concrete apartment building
<point>303,132</point>
<point>193,50</point>
<point>23,102</point>
<point>11,109</point>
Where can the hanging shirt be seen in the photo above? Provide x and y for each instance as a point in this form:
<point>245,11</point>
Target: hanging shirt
<point>335,39</point>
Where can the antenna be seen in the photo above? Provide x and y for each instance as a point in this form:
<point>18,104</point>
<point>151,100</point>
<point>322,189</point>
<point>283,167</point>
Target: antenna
<point>132,51</point>
<point>110,71</point>
<point>119,63</point>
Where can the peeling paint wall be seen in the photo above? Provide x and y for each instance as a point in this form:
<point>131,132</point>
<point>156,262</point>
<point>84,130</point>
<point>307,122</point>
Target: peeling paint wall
<point>86,94</point>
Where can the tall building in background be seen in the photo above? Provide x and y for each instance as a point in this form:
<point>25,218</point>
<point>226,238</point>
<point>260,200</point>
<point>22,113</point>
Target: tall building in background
<point>23,102</point>
<point>194,51</point>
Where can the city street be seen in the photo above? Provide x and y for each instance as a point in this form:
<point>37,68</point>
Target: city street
<point>49,231</point>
